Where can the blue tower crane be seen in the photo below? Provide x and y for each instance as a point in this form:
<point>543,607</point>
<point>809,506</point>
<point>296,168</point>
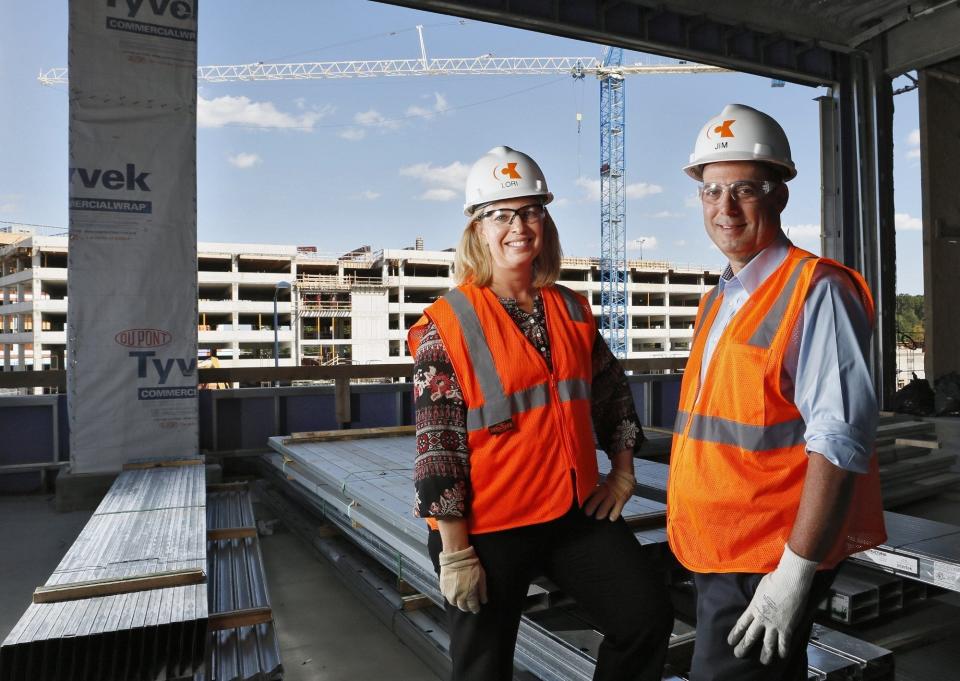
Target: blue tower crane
<point>613,226</point>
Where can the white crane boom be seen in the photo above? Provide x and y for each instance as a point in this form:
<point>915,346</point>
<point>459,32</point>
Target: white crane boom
<point>449,66</point>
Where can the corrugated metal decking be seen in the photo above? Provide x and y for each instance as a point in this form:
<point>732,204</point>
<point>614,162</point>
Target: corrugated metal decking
<point>237,581</point>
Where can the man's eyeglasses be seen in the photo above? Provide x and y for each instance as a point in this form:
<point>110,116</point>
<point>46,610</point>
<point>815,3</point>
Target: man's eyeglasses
<point>503,217</point>
<point>741,191</point>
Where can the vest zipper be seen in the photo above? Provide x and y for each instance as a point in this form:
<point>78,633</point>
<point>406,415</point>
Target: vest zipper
<point>555,402</point>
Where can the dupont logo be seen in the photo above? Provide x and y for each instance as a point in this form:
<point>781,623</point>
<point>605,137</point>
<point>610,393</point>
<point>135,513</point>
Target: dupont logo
<point>508,171</point>
<point>722,130</point>
<point>143,338</point>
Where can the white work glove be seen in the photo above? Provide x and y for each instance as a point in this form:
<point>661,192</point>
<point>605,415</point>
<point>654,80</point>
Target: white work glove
<point>775,609</point>
<point>608,498</point>
<point>462,579</point>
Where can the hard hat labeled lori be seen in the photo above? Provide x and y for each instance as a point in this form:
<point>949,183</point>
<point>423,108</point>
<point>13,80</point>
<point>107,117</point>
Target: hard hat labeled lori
<point>741,133</point>
<point>503,173</point>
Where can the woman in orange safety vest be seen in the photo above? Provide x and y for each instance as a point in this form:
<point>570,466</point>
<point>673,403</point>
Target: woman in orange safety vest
<point>511,381</point>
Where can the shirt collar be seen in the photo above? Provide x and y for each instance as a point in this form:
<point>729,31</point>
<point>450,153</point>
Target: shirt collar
<point>761,266</point>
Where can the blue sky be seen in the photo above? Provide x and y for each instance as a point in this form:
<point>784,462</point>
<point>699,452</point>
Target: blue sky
<point>380,161</point>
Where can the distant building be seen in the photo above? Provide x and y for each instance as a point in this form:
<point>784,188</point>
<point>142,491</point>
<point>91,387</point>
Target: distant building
<point>353,307</point>
<point>910,362</point>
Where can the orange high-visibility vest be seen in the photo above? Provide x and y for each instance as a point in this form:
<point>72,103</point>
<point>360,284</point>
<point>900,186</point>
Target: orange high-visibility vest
<point>738,460</point>
<point>528,428</point>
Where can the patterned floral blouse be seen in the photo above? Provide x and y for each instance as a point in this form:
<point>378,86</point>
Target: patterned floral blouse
<point>442,465</point>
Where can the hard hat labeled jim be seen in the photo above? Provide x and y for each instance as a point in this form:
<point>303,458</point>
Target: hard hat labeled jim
<point>503,173</point>
<point>741,133</point>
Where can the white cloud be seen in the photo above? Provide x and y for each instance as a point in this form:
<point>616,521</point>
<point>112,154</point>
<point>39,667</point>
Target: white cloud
<point>643,243</point>
<point>222,111</point>
<point>904,222</point>
<point>353,134</point>
<point>8,207</point>
<point>637,190</point>
<point>913,142</point>
<point>366,195</point>
<point>682,242</point>
<point>806,229</point>
<point>439,195</point>
<point>591,187</point>
<point>244,160</point>
<point>807,233</point>
<point>449,177</point>
<point>374,119</point>
<point>439,106</point>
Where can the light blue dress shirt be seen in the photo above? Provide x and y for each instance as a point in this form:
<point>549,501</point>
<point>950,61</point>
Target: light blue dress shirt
<point>825,370</point>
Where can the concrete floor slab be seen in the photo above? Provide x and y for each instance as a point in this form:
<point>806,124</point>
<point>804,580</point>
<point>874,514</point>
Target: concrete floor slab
<point>325,632</point>
<point>36,538</point>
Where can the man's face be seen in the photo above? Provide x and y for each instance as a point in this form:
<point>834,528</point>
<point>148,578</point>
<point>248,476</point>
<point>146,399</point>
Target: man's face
<point>741,229</point>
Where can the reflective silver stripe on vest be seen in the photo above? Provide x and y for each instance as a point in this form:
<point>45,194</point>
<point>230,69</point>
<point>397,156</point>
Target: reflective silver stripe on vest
<point>482,417</point>
<point>496,407</point>
<point>479,418</point>
<point>752,438</point>
<point>711,299</point>
<point>764,334</point>
<point>681,421</point>
<point>574,307</point>
<point>573,389</point>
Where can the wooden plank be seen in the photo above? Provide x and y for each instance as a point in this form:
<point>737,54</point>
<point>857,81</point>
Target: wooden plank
<point>644,522</point>
<point>119,585</point>
<point>231,533</point>
<point>38,466</point>
<point>162,463</point>
<point>56,378</point>
<point>355,434</point>
<point>232,619</point>
<point>239,486</point>
<point>918,442</point>
<point>416,602</point>
<point>341,400</point>
<point>325,531</point>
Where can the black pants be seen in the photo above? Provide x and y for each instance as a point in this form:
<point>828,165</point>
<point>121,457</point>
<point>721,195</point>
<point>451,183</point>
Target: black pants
<point>721,599</point>
<point>597,562</point>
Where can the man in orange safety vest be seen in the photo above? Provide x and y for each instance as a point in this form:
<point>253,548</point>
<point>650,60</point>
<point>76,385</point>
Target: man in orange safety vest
<point>773,474</point>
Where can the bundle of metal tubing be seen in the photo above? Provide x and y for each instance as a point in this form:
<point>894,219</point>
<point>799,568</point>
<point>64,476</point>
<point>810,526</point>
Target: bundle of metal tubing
<point>129,599</point>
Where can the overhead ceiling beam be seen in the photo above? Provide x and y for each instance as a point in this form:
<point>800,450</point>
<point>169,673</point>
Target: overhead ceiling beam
<point>681,30</point>
<point>924,41</point>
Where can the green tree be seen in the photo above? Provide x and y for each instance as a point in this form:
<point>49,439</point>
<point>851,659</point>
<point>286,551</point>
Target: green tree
<point>910,317</point>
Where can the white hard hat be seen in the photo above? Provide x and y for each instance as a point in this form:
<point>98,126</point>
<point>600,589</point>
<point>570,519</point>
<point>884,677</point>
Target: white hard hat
<point>503,173</point>
<point>741,133</point>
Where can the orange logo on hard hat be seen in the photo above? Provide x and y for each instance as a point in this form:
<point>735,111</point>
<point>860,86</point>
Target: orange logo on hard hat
<point>723,129</point>
<point>510,170</point>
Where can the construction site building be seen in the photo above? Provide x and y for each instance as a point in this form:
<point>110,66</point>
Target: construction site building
<point>347,308</point>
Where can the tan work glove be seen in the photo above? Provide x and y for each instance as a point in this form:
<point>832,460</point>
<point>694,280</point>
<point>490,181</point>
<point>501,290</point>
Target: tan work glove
<point>775,609</point>
<point>462,579</point>
<point>609,497</point>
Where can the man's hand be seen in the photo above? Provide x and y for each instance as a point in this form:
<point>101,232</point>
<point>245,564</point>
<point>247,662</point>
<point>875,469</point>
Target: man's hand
<point>776,606</point>
<point>462,579</point>
<point>608,498</point>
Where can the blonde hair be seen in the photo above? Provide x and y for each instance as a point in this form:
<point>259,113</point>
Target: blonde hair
<point>472,263</point>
